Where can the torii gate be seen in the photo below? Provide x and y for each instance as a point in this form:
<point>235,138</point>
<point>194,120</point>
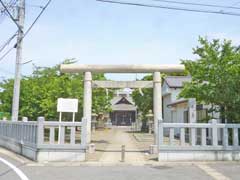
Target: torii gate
<point>144,68</point>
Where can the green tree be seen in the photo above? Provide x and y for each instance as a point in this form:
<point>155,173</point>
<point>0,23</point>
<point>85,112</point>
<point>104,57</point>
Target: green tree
<point>144,101</point>
<point>40,91</point>
<point>215,77</point>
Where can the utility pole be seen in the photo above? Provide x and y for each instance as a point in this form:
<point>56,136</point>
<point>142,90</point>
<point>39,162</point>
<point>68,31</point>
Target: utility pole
<point>16,89</point>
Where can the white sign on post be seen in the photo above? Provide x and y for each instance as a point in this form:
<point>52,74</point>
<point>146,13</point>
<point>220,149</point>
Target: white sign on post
<point>67,105</point>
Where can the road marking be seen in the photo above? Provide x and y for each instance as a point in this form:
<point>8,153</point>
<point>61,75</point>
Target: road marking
<point>13,155</point>
<point>17,171</point>
<point>212,172</point>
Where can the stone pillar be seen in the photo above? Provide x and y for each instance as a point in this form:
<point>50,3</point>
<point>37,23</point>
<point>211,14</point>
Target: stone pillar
<point>192,106</point>
<point>24,119</point>
<point>192,110</point>
<point>40,130</point>
<point>157,103</point>
<point>87,103</point>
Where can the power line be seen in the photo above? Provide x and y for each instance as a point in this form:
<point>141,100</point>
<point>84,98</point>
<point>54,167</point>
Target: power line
<point>28,30</point>
<point>35,6</point>
<point>39,15</point>
<point>198,4</point>
<point>10,15</point>
<point>3,56</point>
<point>234,4</point>
<point>7,42</point>
<point>10,5</point>
<point>171,8</point>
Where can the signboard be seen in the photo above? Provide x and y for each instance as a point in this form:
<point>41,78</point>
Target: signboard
<point>67,105</point>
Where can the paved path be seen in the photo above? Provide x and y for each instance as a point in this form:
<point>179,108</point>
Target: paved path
<point>112,153</point>
<point>109,141</point>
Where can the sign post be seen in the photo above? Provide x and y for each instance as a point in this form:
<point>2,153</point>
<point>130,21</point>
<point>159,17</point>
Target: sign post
<point>66,105</point>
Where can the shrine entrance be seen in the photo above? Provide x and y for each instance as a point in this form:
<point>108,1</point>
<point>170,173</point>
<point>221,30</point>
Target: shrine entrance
<point>120,117</point>
<point>123,118</point>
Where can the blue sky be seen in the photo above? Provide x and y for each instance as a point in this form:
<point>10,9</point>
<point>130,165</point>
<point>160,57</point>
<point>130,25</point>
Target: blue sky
<point>100,33</point>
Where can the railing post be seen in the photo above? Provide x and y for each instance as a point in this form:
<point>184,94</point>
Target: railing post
<point>72,135</point>
<point>62,134</point>
<point>160,133</point>
<point>235,137</point>
<point>24,119</point>
<point>24,130</point>
<point>203,137</point>
<point>171,136</point>
<point>52,135</point>
<point>225,137</point>
<point>182,136</point>
<point>214,133</point>
<point>40,130</point>
<point>193,136</point>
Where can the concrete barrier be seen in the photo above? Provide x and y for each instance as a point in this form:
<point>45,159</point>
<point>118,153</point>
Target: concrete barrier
<point>37,140</point>
<point>198,142</point>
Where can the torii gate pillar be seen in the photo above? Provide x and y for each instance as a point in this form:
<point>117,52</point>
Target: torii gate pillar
<point>157,103</point>
<point>87,103</point>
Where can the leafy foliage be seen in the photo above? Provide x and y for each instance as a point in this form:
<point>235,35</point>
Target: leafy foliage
<point>40,91</point>
<point>215,77</point>
<point>144,101</point>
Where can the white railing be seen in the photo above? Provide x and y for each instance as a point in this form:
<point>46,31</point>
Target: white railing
<point>199,136</point>
<point>44,134</point>
<point>61,135</point>
<point>19,132</point>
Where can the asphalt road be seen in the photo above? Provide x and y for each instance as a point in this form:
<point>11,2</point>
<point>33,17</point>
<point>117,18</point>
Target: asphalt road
<point>170,171</point>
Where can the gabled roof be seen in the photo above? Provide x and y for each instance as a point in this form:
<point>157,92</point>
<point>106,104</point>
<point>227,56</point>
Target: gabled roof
<point>124,100</point>
<point>123,107</point>
<point>177,81</point>
<point>116,99</point>
<point>123,103</point>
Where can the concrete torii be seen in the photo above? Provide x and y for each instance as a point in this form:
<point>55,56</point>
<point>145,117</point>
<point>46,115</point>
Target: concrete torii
<point>143,68</point>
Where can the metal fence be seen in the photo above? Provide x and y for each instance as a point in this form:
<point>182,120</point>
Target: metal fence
<point>199,136</point>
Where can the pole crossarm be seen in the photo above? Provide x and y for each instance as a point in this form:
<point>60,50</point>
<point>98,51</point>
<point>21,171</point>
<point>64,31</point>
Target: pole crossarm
<point>122,84</point>
<point>134,68</point>
<point>11,16</point>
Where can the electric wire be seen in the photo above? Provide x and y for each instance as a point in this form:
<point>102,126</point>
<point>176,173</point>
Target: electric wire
<point>170,7</point>
<point>10,6</point>
<point>198,4</point>
<point>7,42</point>
<point>28,30</point>
<point>4,55</point>
<point>10,15</point>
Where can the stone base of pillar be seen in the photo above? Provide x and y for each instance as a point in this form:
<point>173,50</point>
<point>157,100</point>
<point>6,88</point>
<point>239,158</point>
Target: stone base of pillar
<point>108,125</point>
<point>153,149</point>
<point>91,148</point>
